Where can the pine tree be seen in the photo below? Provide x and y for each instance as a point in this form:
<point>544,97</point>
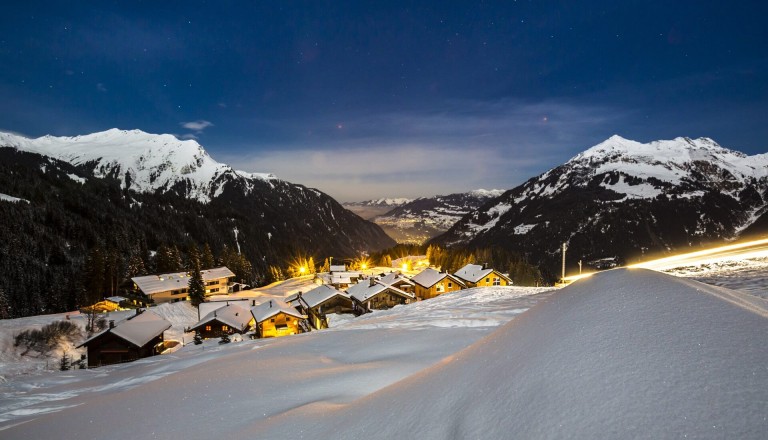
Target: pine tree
<point>196,284</point>
<point>193,258</point>
<point>206,260</point>
<point>64,363</point>
<point>311,269</point>
<point>168,259</point>
<point>225,339</point>
<point>94,276</point>
<point>326,266</point>
<point>136,265</point>
<point>198,338</point>
<point>5,306</point>
<point>112,263</point>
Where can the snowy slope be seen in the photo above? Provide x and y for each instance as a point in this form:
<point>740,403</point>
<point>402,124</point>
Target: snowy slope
<point>141,161</point>
<point>624,354</point>
<point>331,367</point>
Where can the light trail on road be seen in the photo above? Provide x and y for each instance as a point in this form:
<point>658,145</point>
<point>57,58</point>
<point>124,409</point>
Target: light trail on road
<point>737,251</point>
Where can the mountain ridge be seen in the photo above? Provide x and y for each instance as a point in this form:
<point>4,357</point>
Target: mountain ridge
<point>102,202</point>
<point>622,199</point>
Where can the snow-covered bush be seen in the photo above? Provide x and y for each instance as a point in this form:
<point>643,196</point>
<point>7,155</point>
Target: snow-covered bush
<point>48,337</point>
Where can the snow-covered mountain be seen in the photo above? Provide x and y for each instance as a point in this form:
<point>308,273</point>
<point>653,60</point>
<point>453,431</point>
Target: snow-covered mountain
<point>141,161</point>
<point>130,190</point>
<point>388,202</point>
<point>426,217</point>
<point>374,208</point>
<point>622,199</point>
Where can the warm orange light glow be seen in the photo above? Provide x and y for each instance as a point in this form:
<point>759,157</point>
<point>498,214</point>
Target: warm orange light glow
<point>364,266</point>
<point>302,269</point>
<point>737,251</point>
<point>405,266</point>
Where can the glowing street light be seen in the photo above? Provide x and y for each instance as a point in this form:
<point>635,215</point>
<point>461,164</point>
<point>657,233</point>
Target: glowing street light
<point>302,269</point>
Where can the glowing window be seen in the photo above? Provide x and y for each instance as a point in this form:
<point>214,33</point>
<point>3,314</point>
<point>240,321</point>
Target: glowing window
<point>224,328</point>
<point>207,328</point>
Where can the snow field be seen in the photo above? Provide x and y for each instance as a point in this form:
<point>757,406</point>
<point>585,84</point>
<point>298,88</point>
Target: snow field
<point>318,369</point>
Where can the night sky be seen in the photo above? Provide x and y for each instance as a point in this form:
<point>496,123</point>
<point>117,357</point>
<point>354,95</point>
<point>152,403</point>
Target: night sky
<point>390,98</point>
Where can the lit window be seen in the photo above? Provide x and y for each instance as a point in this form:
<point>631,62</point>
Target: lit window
<point>224,328</point>
<point>207,328</point>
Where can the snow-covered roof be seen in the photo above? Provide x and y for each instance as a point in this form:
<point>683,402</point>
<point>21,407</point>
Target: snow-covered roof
<point>151,284</point>
<point>264,311</point>
<point>138,329</point>
<point>361,286</point>
<point>429,277</point>
<point>116,299</point>
<point>338,268</point>
<point>344,277</point>
<point>475,272</point>
<point>367,291</point>
<point>321,294</point>
<point>394,277</point>
<point>232,315</point>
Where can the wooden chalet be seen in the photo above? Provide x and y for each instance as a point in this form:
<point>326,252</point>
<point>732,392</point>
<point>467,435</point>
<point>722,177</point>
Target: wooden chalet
<point>475,275</point>
<point>320,301</point>
<point>276,318</point>
<point>134,338</point>
<point>372,294</point>
<point>431,283</point>
<point>173,287</point>
<point>226,320</point>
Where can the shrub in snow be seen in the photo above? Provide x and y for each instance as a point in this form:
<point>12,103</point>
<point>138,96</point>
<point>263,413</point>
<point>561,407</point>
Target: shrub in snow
<point>48,337</point>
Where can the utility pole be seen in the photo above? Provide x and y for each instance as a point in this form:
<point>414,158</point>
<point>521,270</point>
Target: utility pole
<point>565,247</point>
<point>579,267</point>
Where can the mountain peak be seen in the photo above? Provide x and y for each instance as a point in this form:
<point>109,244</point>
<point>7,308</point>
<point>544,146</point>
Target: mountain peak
<point>142,161</point>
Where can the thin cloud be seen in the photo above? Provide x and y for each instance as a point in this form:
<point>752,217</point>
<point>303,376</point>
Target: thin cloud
<point>467,145</point>
<point>197,126</point>
<point>101,87</point>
